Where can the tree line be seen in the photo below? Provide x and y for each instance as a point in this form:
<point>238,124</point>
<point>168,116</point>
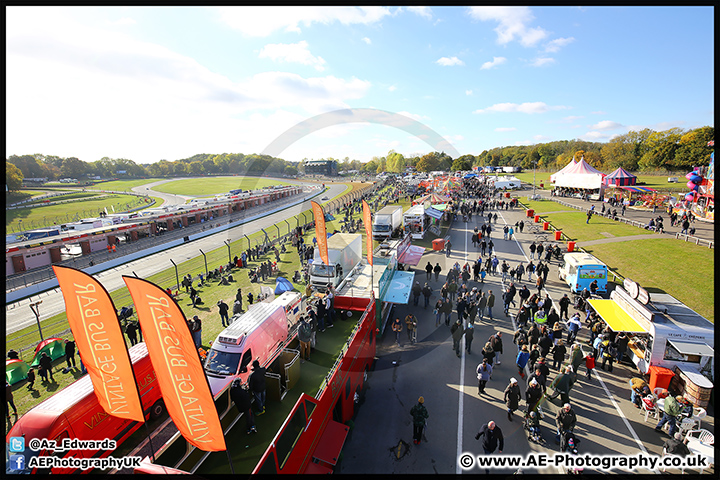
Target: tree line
<point>647,150</point>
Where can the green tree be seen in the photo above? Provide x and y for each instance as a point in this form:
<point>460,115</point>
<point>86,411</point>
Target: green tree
<point>29,166</point>
<point>461,164</point>
<point>693,150</point>
<point>73,168</point>
<point>395,162</point>
<point>13,177</point>
<point>661,149</point>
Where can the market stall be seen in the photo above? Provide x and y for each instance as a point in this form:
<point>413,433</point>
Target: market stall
<point>663,332</point>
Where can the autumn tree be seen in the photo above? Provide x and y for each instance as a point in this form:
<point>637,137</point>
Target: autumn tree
<point>13,177</point>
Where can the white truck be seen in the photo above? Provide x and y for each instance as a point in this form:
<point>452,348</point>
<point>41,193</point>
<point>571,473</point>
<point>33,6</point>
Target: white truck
<point>259,334</point>
<point>386,222</point>
<point>344,252</point>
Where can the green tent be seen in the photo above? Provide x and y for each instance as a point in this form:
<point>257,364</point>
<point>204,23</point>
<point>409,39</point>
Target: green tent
<point>54,347</point>
<point>15,371</point>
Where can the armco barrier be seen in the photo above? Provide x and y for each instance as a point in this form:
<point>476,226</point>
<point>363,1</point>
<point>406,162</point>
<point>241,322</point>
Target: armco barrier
<point>52,283</point>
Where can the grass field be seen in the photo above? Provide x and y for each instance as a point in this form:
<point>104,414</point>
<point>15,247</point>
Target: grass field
<point>45,216</point>
<point>213,185</point>
<point>658,182</point>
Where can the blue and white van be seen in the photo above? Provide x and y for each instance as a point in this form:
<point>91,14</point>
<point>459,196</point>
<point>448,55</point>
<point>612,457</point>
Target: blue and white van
<point>581,269</point>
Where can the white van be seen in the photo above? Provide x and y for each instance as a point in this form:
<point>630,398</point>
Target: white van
<point>259,334</point>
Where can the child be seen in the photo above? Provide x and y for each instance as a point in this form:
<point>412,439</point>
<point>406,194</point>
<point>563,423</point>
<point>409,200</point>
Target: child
<point>589,364</point>
<point>31,379</point>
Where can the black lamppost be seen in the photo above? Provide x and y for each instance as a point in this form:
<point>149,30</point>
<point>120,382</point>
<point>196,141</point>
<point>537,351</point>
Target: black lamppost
<point>35,310</point>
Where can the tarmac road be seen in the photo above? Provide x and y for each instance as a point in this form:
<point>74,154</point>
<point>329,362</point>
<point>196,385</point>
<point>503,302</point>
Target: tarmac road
<point>18,315</point>
<point>381,441</point>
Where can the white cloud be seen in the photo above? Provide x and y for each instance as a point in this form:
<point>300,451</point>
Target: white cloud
<point>512,24</point>
<point>599,112</point>
<point>541,138</point>
<point>424,12</point>
<point>558,43</point>
<point>528,107</point>
<point>367,40</point>
<point>505,129</point>
<point>392,88</point>
<point>292,53</point>
<point>262,21</point>
<point>495,62</point>
<point>595,136</point>
<point>156,96</point>
<point>448,62</point>
<point>606,125</point>
<point>468,92</point>
<point>542,61</point>
<point>571,118</point>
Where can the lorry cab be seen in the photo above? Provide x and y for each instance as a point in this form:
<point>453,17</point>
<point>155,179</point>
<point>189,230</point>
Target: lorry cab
<point>344,252</point>
<point>580,269</point>
<point>255,335</point>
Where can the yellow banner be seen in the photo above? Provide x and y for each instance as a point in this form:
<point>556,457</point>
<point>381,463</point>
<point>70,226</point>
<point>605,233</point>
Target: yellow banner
<point>100,343</point>
<point>367,220</point>
<point>180,375</point>
<point>320,231</point>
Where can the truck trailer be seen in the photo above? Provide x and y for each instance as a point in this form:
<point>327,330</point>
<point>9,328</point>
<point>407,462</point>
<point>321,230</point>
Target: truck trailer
<point>344,252</point>
<point>387,222</point>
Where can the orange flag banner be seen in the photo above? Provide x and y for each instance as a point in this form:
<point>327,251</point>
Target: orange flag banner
<point>180,375</point>
<point>320,231</point>
<point>100,343</point>
<point>367,220</point>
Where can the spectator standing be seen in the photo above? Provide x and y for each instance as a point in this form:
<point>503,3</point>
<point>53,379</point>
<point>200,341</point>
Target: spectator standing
<point>256,381</point>
<point>223,308</point>
<point>9,400</point>
<point>70,353</point>
<point>243,401</point>
<point>31,379</point>
<point>484,373</point>
<point>46,366</point>
<point>512,398</point>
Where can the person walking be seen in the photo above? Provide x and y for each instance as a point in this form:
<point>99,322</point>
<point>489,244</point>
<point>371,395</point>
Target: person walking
<point>427,292</point>
<point>223,308</point>
<point>576,357</point>
<point>397,328</point>
<point>446,310</point>
<point>31,379</point>
<point>428,271</point>
<point>481,304</point>
<point>533,395</point>
<point>565,422</point>
<point>532,248</point>
<point>243,401</point>
<point>522,359</point>
<point>490,303</point>
<point>438,311</point>
<point>419,414</point>
<point>492,439</point>
<point>411,323</point>
<point>457,332</point>
<point>484,373</point>
<point>416,291</point>
<point>70,353</point>
<point>512,397</point>
<point>589,364</point>
<point>448,248</point>
<point>558,353</point>
<point>436,270</point>
<point>257,385</point>
<point>469,332</point>
<point>197,331</point>
<point>497,345</point>
<point>131,330</point>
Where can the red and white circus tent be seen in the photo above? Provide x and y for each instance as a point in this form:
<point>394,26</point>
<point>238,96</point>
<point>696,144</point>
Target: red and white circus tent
<point>581,175</point>
<point>569,166</point>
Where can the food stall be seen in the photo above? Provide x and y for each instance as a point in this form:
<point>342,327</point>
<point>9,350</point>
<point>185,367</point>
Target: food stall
<point>416,221</point>
<point>663,332</point>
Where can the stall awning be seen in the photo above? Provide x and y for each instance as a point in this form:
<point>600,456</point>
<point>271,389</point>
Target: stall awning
<point>399,289</point>
<point>433,213</point>
<point>616,318</point>
<point>637,189</point>
<point>689,348</point>
<point>411,255</point>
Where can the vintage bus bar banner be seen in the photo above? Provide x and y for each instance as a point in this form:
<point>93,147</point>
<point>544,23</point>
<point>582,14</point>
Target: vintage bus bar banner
<point>180,375</point>
<point>100,343</point>
<point>320,232</point>
<point>367,220</point>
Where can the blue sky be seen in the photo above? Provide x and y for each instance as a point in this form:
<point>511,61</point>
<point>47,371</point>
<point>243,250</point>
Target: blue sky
<point>167,83</point>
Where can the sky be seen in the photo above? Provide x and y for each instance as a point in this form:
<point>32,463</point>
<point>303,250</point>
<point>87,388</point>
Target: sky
<point>153,83</point>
